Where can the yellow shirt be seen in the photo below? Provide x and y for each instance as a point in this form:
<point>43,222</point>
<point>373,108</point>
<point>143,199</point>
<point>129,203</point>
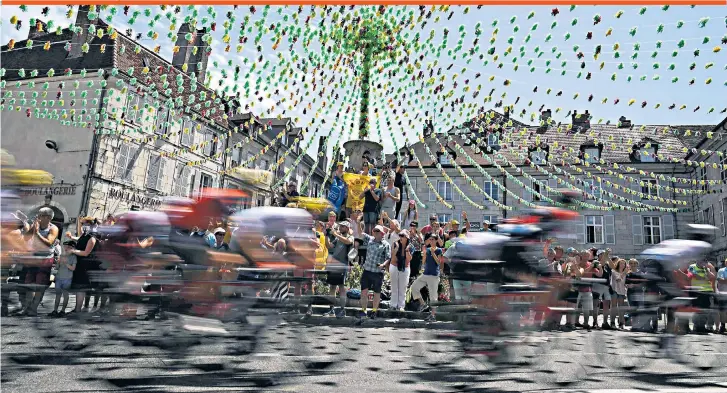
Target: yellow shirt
<point>321,252</point>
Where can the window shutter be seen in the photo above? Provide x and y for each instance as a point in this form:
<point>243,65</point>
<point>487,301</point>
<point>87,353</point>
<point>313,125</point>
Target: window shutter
<point>152,175</point>
<point>122,158</point>
<point>609,229</point>
<point>160,176</point>
<point>581,230</point>
<point>456,195</point>
<point>195,182</point>
<point>431,193</point>
<point>667,227</point>
<point>637,229</point>
<point>220,148</point>
<point>526,194</point>
<point>722,204</point>
<point>131,160</point>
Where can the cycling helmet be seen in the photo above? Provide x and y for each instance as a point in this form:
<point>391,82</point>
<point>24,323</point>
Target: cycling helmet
<point>701,232</point>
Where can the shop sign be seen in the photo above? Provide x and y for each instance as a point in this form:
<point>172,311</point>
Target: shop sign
<point>135,198</point>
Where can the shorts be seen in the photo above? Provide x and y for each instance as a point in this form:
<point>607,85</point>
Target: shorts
<point>585,301</point>
<point>63,284</point>
<point>38,276</point>
<point>337,278</point>
<point>721,300</point>
<point>601,292</point>
<point>370,217</point>
<point>372,281</point>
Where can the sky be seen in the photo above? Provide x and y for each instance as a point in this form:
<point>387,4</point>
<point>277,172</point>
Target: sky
<point>535,21</point>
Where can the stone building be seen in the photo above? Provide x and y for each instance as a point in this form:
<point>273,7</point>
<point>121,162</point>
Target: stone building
<point>711,207</point>
<point>120,128</point>
<point>646,176</point>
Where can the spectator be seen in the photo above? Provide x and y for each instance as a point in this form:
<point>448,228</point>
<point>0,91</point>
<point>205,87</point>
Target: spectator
<point>618,283</point>
<point>64,276</point>
<point>721,286</point>
<point>584,269</point>
<point>400,183</point>
<point>391,196</point>
<point>371,196</point>
<point>338,192</point>
<point>42,236</point>
<point>220,243</point>
<point>356,222</point>
<point>486,226</point>
<point>85,262</point>
<point>378,253</point>
<point>701,274</point>
<point>365,169</point>
<point>434,227</point>
<point>602,292</point>
<point>339,241</point>
<point>400,269</point>
<point>289,192</point>
<point>392,236</point>
<point>416,239</point>
<point>411,214</point>
<point>433,265</point>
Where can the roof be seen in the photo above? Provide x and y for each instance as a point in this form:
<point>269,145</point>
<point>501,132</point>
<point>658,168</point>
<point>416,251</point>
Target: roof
<point>57,58</point>
<point>618,142</point>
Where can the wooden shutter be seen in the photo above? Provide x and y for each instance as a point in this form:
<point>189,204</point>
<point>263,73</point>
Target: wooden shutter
<point>722,204</point>
<point>160,176</point>
<point>152,175</point>
<point>637,229</point>
<point>455,194</point>
<point>609,229</point>
<point>581,230</point>
<point>431,193</point>
<point>131,160</point>
<point>667,227</point>
<point>122,159</point>
<point>162,115</point>
<point>527,196</point>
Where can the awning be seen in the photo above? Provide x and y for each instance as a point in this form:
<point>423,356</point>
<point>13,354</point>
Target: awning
<point>256,177</point>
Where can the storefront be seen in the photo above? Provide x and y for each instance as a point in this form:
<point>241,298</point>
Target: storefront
<point>64,199</point>
<point>111,198</point>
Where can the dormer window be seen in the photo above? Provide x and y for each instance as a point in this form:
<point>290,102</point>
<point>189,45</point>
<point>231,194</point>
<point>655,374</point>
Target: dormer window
<point>647,154</point>
<point>538,157</point>
<point>592,155</point>
<point>444,159</point>
<point>493,140</point>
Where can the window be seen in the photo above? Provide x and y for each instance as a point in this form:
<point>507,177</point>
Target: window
<point>493,140</point>
<point>444,188</point>
<point>134,106</point>
<point>205,181</point>
<point>724,216</point>
<point>124,164</point>
<point>594,229</point>
<point>444,217</point>
<point>492,190</point>
<point>261,201</point>
<point>536,188</point>
<point>263,164</point>
<point>188,132</point>
<point>647,154</point>
<point>538,157</point>
<point>709,216</point>
<point>160,126</point>
<point>648,188</point>
<point>592,187</point>
<point>723,168</point>
<point>236,156</point>
<point>181,180</point>
<point>593,155</point>
<point>652,230</point>
<point>444,159</point>
<point>155,173</point>
<point>702,177</point>
<point>210,147</point>
<point>284,139</point>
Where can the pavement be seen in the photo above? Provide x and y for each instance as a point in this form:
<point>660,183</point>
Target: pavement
<point>101,354</point>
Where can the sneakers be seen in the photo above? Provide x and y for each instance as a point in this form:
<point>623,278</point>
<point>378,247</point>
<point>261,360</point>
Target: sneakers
<point>372,314</point>
<point>361,315</point>
<point>430,318</point>
<point>330,313</point>
<point>606,326</point>
<point>340,313</point>
<point>53,314</point>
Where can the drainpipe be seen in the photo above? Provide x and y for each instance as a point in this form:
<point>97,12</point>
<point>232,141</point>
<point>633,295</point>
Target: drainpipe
<point>95,145</point>
<point>504,195</point>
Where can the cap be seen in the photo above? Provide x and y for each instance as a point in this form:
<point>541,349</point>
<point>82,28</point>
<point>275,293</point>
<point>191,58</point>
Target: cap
<point>486,222</point>
<point>411,202</point>
<point>570,250</point>
<point>404,233</point>
<point>339,163</point>
<point>379,228</point>
<point>219,230</point>
<point>454,222</point>
<point>599,252</point>
<point>344,224</point>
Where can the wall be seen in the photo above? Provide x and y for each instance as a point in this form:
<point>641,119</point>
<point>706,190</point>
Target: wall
<point>715,199</point>
<point>25,137</point>
<point>620,235</point>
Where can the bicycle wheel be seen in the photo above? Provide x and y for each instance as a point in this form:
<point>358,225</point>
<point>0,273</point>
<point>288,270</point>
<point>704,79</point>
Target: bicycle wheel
<point>633,352</point>
<point>700,352</point>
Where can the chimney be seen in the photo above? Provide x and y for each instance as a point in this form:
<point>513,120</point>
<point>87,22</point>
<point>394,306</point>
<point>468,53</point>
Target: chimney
<point>623,122</point>
<point>574,118</point>
<point>33,33</point>
<point>196,62</point>
<point>546,115</point>
<point>82,22</point>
